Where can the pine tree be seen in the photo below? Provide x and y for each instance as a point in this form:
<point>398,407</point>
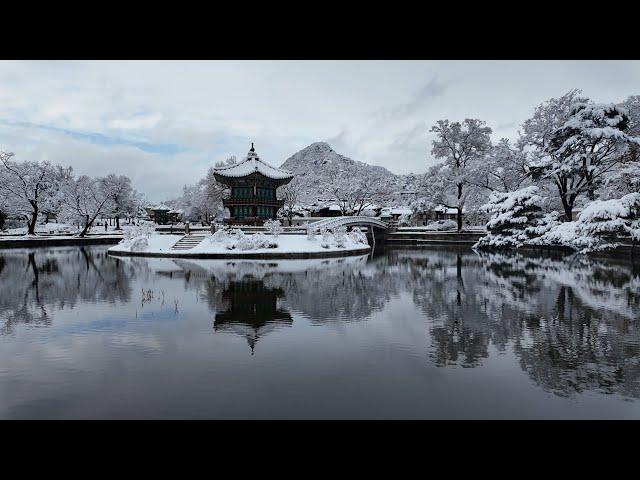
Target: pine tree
<point>516,218</point>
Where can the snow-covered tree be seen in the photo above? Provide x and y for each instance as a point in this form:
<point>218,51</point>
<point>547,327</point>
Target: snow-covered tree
<point>289,194</point>
<point>462,146</point>
<point>632,106</point>
<point>603,222</point>
<point>537,132</point>
<point>353,190</point>
<point>625,177</point>
<point>29,187</point>
<point>589,145</point>
<point>122,199</point>
<point>515,217</point>
<point>576,145</point>
<point>504,169</point>
<point>84,199</point>
<point>273,227</point>
<point>227,163</point>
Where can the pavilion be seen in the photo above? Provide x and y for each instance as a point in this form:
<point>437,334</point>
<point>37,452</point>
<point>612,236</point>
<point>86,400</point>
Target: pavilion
<point>253,183</point>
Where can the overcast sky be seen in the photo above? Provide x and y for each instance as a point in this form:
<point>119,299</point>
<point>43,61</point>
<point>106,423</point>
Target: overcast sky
<point>164,123</point>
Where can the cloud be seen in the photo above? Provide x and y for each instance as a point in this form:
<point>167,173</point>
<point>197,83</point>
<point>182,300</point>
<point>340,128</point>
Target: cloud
<point>102,139</point>
<point>433,89</point>
<point>136,122</point>
<point>165,123</point>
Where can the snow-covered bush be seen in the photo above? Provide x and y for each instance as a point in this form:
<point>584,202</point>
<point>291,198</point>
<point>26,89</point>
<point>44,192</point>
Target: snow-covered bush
<point>139,244</point>
<point>245,242</point>
<point>274,227</point>
<point>515,216</point>
<point>327,238</point>
<point>311,235</point>
<point>601,225</point>
<point>220,236</point>
<point>137,238</point>
<point>442,225</point>
<point>142,230</point>
<point>260,240</point>
<point>564,234</point>
<point>340,236</point>
<point>238,240</point>
<point>545,224</point>
<point>356,236</point>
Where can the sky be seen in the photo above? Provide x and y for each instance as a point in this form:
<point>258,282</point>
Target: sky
<point>164,123</point>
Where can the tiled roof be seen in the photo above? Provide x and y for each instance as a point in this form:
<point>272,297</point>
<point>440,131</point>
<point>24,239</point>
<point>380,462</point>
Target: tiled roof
<point>252,163</point>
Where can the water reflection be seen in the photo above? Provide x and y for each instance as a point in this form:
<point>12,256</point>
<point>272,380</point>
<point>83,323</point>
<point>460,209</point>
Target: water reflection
<point>570,323</point>
<point>251,310</point>
<point>38,283</point>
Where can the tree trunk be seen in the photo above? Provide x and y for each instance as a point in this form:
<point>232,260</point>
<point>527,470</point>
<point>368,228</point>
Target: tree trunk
<point>32,222</point>
<point>459,208</point>
<point>568,210</point>
<point>87,225</point>
<point>117,222</point>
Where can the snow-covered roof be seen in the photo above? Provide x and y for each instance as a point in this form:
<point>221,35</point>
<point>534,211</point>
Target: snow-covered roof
<point>401,211</point>
<point>162,206</point>
<point>253,163</point>
<point>448,211</point>
<point>396,211</point>
<point>332,207</point>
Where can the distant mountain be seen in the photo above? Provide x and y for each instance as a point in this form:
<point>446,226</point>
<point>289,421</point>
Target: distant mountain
<point>314,166</point>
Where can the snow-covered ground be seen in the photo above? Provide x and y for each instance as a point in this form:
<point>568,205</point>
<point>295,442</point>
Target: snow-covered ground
<point>65,228</point>
<point>156,243</point>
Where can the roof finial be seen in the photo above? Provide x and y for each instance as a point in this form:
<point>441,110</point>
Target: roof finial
<point>252,149</point>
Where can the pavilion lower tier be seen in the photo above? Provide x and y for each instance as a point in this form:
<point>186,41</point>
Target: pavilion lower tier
<point>245,220</point>
<point>251,213</point>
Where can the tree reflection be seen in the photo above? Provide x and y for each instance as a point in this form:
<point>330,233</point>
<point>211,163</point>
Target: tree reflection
<point>572,321</point>
<point>39,282</point>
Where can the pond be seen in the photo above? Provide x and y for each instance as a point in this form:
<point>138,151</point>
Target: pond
<point>429,333</point>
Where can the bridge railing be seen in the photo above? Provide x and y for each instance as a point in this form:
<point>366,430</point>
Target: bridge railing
<point>347,221</point>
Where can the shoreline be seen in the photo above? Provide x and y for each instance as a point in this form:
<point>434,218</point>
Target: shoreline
<point>248,255</point>
<point>38,242</point>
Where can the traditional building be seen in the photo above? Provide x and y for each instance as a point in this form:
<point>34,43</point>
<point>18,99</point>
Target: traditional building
<point>253,184</point>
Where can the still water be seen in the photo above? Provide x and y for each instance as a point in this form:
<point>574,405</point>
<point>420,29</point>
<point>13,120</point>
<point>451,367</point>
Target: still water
<point>430,333</point>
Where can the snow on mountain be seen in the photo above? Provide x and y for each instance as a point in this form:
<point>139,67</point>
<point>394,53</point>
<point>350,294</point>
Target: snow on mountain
<point>318,166</point>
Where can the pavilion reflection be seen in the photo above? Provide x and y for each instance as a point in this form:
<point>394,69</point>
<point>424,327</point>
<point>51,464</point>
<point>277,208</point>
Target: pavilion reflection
<point>251,310</point>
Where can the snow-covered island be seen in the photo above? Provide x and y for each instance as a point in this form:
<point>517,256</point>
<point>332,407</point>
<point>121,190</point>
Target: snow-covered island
<point>234,243</point>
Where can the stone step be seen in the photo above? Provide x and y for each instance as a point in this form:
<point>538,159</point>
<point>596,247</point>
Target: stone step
<point>188,242</point>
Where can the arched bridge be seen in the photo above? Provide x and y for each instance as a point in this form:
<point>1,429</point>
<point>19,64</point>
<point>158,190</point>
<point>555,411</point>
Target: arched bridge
<point>353,221</point>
